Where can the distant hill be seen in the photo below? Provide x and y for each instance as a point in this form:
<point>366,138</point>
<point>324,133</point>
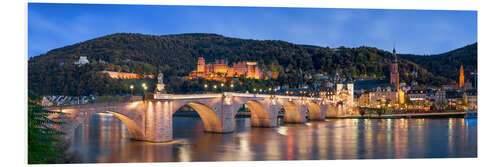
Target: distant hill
<point>176,55</point>
<point>448,64</point>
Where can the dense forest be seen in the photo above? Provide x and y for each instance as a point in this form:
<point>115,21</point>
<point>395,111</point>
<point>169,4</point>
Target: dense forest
<point>176,55</point>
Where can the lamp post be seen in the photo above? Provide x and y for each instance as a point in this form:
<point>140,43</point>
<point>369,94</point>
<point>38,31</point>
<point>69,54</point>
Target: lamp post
<point>131,90</point>
<point>144,87</point>
<point>221,87</point>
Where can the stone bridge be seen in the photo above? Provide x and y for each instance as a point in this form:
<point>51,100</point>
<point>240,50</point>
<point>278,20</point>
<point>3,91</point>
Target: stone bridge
<point>151,119</point>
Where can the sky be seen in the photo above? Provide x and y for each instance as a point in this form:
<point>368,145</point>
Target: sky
<point>423,32</point>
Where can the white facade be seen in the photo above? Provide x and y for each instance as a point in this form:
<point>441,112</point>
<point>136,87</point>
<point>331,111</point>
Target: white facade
<point>82,60</point>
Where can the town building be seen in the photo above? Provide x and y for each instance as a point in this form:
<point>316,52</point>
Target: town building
<point>380,97</point>
<point>220,70</point>
<point>325,92</point>
<point>418,99</point>
<point>455,100</point>
<point>83,60</point>
<point>470,100</point>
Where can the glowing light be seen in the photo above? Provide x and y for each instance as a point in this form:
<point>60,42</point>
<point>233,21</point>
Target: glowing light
<point>206,86</point>
<point>222,85</point>
<point>131,86</point>
<point>232,85</point>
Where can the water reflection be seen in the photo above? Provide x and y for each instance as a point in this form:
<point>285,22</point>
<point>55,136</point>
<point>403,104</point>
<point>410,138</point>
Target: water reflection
<point>103,138</point>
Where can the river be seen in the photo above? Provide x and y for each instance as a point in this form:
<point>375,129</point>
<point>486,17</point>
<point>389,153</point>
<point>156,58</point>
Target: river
<point>103,138</point>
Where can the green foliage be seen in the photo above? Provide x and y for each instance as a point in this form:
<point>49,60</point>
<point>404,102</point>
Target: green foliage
<point>43,143</point>
<point>380,111</point>
<point>448,64</point>
<point>176,56</point>
<point>243,109</point>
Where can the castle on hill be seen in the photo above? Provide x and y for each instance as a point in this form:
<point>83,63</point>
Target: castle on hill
<point>220,70</point>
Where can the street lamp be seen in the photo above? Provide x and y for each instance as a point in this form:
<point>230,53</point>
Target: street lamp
<point>145,88</point>
<point>131,90</point>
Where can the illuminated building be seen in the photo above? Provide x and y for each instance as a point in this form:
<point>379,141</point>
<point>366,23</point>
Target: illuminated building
<point>82,60</point>
<point>380,96</point>
<point>461,78</point>
<point>394,70</point>
<point>123,75</point>
<point>220,70</point>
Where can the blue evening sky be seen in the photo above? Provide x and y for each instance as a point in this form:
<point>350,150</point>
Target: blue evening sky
<point>52,26</point>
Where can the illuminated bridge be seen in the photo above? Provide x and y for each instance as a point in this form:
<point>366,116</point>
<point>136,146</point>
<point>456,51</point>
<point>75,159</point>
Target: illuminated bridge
<point>151,119</point>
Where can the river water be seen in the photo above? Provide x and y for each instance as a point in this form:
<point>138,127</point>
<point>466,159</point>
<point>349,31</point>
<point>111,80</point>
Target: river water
<point>103,138</point>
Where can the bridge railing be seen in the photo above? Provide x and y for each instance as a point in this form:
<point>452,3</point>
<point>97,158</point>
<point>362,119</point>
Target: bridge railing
<point>102,100</point>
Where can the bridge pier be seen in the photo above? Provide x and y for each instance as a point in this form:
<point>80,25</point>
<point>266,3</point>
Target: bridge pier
<point>226,115</point>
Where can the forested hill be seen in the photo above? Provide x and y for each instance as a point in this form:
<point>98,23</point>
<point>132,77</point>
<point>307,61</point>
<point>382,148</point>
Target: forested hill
<point>176,55</point>
<point>448,64</point>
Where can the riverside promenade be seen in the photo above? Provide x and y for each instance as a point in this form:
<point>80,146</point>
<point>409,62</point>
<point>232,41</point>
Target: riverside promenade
<point>411,115</point>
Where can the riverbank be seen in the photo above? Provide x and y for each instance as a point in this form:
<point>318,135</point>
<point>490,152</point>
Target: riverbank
<point>408,115</point>
<point>373,116</point>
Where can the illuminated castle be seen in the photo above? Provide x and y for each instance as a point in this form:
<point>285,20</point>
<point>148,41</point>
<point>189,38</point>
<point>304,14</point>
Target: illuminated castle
<point>220,70</point>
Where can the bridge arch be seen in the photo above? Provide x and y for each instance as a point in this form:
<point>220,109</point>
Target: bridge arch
<point>133,129</point>
<point>211,122</point>
<point>259,114</point>
<point>292,113</point>
<point>314,111</point>
<point>331,111</point>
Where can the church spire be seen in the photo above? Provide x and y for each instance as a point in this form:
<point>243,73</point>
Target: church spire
<point>394,56</point>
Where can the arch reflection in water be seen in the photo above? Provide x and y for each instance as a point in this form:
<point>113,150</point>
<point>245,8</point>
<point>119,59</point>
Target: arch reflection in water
<point>102,139</point>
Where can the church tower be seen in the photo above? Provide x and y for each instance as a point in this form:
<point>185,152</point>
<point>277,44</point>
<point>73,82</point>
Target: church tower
<point>201,64</point>
<point>394,69</point>
<point>461,77</point>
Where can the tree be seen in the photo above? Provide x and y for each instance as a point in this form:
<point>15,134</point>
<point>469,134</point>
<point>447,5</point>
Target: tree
<point>381,111</point>
<point>362,111</point>
<point>44,145</point>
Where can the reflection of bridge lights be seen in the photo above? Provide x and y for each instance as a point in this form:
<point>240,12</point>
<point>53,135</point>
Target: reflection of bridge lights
<point>227,100</point>
<point>282,130</point>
